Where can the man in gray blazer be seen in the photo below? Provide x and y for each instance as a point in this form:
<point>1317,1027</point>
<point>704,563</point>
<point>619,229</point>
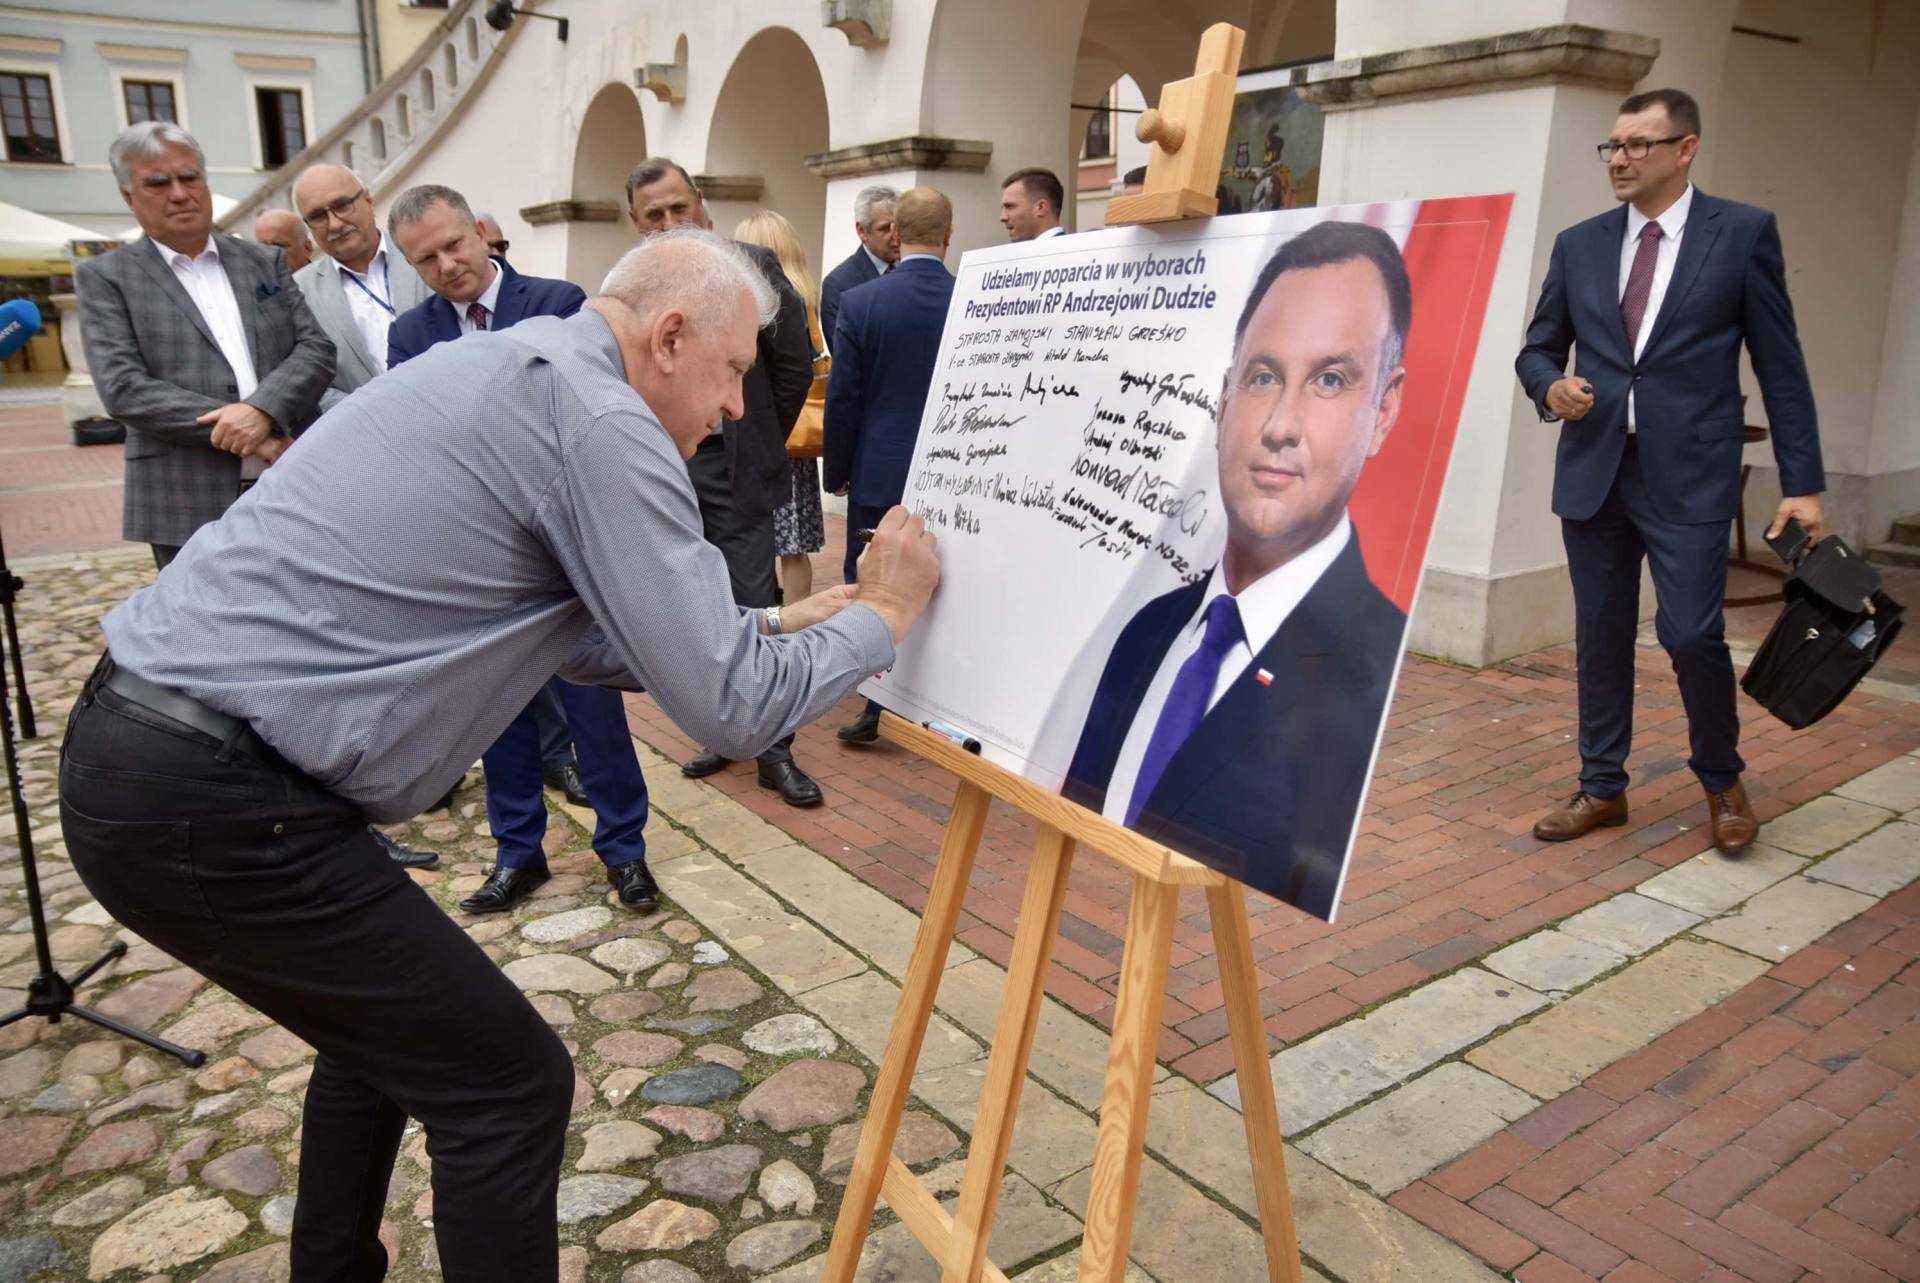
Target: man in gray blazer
<point>199,344</point>
<point>358,282</point>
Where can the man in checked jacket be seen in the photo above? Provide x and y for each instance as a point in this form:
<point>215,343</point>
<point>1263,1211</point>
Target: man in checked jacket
<point>200,344</point>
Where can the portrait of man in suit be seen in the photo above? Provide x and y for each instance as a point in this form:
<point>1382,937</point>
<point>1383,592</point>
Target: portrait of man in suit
<point>199,344</point>
<point>1236,717</point>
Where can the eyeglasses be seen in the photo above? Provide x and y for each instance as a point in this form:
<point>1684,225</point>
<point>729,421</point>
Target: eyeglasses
<point>498,247</point>
<point>1636,148</point>
<point>337,208</point>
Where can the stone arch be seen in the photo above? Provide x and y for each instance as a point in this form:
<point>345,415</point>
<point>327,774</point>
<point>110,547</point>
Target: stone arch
<point>377,138</point>
<point>429,101</point>
<point>770,115</point>
<point>473,40</point>
<point>403,116</point>
<point>450,60</point>
<point>612,140</point>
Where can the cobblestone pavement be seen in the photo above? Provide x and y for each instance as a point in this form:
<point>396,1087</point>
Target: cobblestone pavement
<point>1669,1065</point>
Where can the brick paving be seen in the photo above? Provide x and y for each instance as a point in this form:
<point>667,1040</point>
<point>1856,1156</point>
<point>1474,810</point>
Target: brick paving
<point>1446,870</point>
<point>54,496</point>
<point>1773,1137</point>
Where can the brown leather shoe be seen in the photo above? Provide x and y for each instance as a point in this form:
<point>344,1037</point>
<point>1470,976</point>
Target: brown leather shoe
<point>1731,816</point>
<point>1583,813</point>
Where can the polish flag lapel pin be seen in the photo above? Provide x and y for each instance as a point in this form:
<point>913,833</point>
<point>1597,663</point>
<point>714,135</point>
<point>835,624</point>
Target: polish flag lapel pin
<point>1263,676</point>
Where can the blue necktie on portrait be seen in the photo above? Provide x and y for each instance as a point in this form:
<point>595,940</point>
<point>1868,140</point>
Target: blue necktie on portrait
<point>1188,699</point>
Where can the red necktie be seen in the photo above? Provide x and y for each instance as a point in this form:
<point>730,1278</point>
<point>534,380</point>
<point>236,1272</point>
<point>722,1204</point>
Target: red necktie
<point>477,311</point>
<point>1633,303</point>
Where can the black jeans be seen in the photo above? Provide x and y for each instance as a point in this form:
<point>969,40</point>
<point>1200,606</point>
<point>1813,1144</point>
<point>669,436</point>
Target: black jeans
<point>273,888</point>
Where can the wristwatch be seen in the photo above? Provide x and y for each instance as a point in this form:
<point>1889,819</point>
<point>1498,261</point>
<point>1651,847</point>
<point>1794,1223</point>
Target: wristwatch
<point>773,621</point>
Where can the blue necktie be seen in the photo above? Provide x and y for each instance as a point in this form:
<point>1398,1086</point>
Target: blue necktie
<point>1187,700</point>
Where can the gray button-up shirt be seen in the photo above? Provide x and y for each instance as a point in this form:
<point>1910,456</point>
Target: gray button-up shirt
<point>399,585</point>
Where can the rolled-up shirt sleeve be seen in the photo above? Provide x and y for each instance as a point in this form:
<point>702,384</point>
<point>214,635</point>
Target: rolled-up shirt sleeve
<point>622,519</point>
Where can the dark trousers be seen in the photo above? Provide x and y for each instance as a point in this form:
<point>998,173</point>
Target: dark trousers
<point>271,887</point>
<point>609,770</point>
<point>1689,565</point>
<point>164,553</point>
<point>745,539</point>
<point>550,720</point>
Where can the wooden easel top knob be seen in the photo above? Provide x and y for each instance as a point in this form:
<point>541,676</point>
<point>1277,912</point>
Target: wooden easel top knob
<point>1153,127</point>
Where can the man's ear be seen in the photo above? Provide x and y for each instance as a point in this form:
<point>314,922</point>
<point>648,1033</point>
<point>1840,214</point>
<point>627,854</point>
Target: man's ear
<point>1388,411</point>
<point>667,339</point>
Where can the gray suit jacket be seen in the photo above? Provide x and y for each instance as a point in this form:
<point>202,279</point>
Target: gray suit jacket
<point>326,292</point>
<point>157,368</point>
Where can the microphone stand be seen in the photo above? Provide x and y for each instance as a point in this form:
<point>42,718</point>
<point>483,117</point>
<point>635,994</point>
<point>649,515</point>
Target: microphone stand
<point>11,584</point>
<point>49,993</point>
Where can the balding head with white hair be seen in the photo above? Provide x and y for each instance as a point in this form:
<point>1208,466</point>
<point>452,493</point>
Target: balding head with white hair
<point>686,307</point>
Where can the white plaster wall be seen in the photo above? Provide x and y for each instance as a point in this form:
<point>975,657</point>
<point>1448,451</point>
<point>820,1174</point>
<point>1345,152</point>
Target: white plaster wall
<point>1364,27</point>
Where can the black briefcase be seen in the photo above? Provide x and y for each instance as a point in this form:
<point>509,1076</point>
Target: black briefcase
<point>1836,625</point>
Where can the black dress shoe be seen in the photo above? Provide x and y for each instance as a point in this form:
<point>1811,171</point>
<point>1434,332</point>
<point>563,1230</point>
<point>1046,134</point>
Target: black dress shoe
<point>863,730</point>
<point>795,785</point>
<point>702,764</point>
<point>406,857</point>
<point>504,889</point>
<point>636,886</point>
<point>567,780</point>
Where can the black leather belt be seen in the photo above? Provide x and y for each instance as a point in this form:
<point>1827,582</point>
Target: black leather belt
<point>185,709</point>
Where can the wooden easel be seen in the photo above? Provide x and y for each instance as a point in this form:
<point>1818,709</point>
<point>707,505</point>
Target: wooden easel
<point>1189,133</point>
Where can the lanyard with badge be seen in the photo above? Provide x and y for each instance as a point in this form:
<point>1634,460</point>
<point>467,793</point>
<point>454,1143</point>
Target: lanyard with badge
<point>368,291</point>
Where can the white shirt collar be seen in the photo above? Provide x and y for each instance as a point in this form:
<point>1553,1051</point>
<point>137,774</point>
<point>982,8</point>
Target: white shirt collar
<point>1265,603</point>
<point>176,260</point>
<point>1673,220</point>
<point>880,265</point>
<point>491,298</point>
<point>378,261</point>
<point>1055,230</point>
<point>908,258</point>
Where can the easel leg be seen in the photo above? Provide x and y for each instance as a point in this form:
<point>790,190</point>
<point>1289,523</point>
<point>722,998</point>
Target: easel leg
<point>949,889</point>
<point>1020,1009</point>
<point>1123,1107</point>
<point>1233,948</point>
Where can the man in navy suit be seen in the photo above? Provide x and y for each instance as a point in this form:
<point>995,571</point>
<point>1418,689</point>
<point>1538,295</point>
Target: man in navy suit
<point>886,344</point>
<point>436,231</point>
<point>1659,294</point>
<point>1236,717</point>
<point>876,255</point>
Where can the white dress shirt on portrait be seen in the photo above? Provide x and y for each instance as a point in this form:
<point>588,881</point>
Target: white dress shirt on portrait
<point>1264,606</point>
<point>205,280</point>
<point>370,300</point>
<point>1673,224</point>
<point>490,300</point>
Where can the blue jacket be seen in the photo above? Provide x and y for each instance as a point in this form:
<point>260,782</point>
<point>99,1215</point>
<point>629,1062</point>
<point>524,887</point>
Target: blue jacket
<point>435,321</point>
<point>1729,287</point>
<point>856,269</point>
<point>886,343</point>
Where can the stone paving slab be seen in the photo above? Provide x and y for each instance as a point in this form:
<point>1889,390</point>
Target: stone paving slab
<point>861,1010</point>
<point>792,952</point>
<point>1337,1069</point>
<point>1893,785</point>
<point>1559,1048</point>
<point>1711,883</point>
<point>1052,1140</point>
<point>1878,864</point>
<point>1785,917</point>
<point>1359,1239</point>
<point>1551,962</point>
<point>1412,1130</point>
<point>1824,824</point>
<point>1185,1235</point>
<point>1628,924</point>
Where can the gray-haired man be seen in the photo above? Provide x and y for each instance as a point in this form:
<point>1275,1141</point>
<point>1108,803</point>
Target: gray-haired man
<point>342,645</point>
<point>199,344</point>
<point>877,253</point>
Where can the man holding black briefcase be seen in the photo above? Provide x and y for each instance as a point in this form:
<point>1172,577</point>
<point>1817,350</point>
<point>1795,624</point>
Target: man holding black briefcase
<point>1659,295</point>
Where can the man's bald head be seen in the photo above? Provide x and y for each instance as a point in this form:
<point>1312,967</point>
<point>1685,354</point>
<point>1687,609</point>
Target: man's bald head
<point>337,208</point>
<point>283,229</point>
<point>923,221</point>
<point>490,233</point>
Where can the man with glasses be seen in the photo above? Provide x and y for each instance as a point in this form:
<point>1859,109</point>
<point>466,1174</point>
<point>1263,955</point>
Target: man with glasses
<point>1659,295</point>
<point>358,283</point>
<point>490,232</point>
<point>199,344</point>
<point>1236,717</point>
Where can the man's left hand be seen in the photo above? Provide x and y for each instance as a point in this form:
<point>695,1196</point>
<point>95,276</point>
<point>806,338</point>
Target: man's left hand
<point>817,608</point>
<point>238,428</point>
<point>1806,508</point>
